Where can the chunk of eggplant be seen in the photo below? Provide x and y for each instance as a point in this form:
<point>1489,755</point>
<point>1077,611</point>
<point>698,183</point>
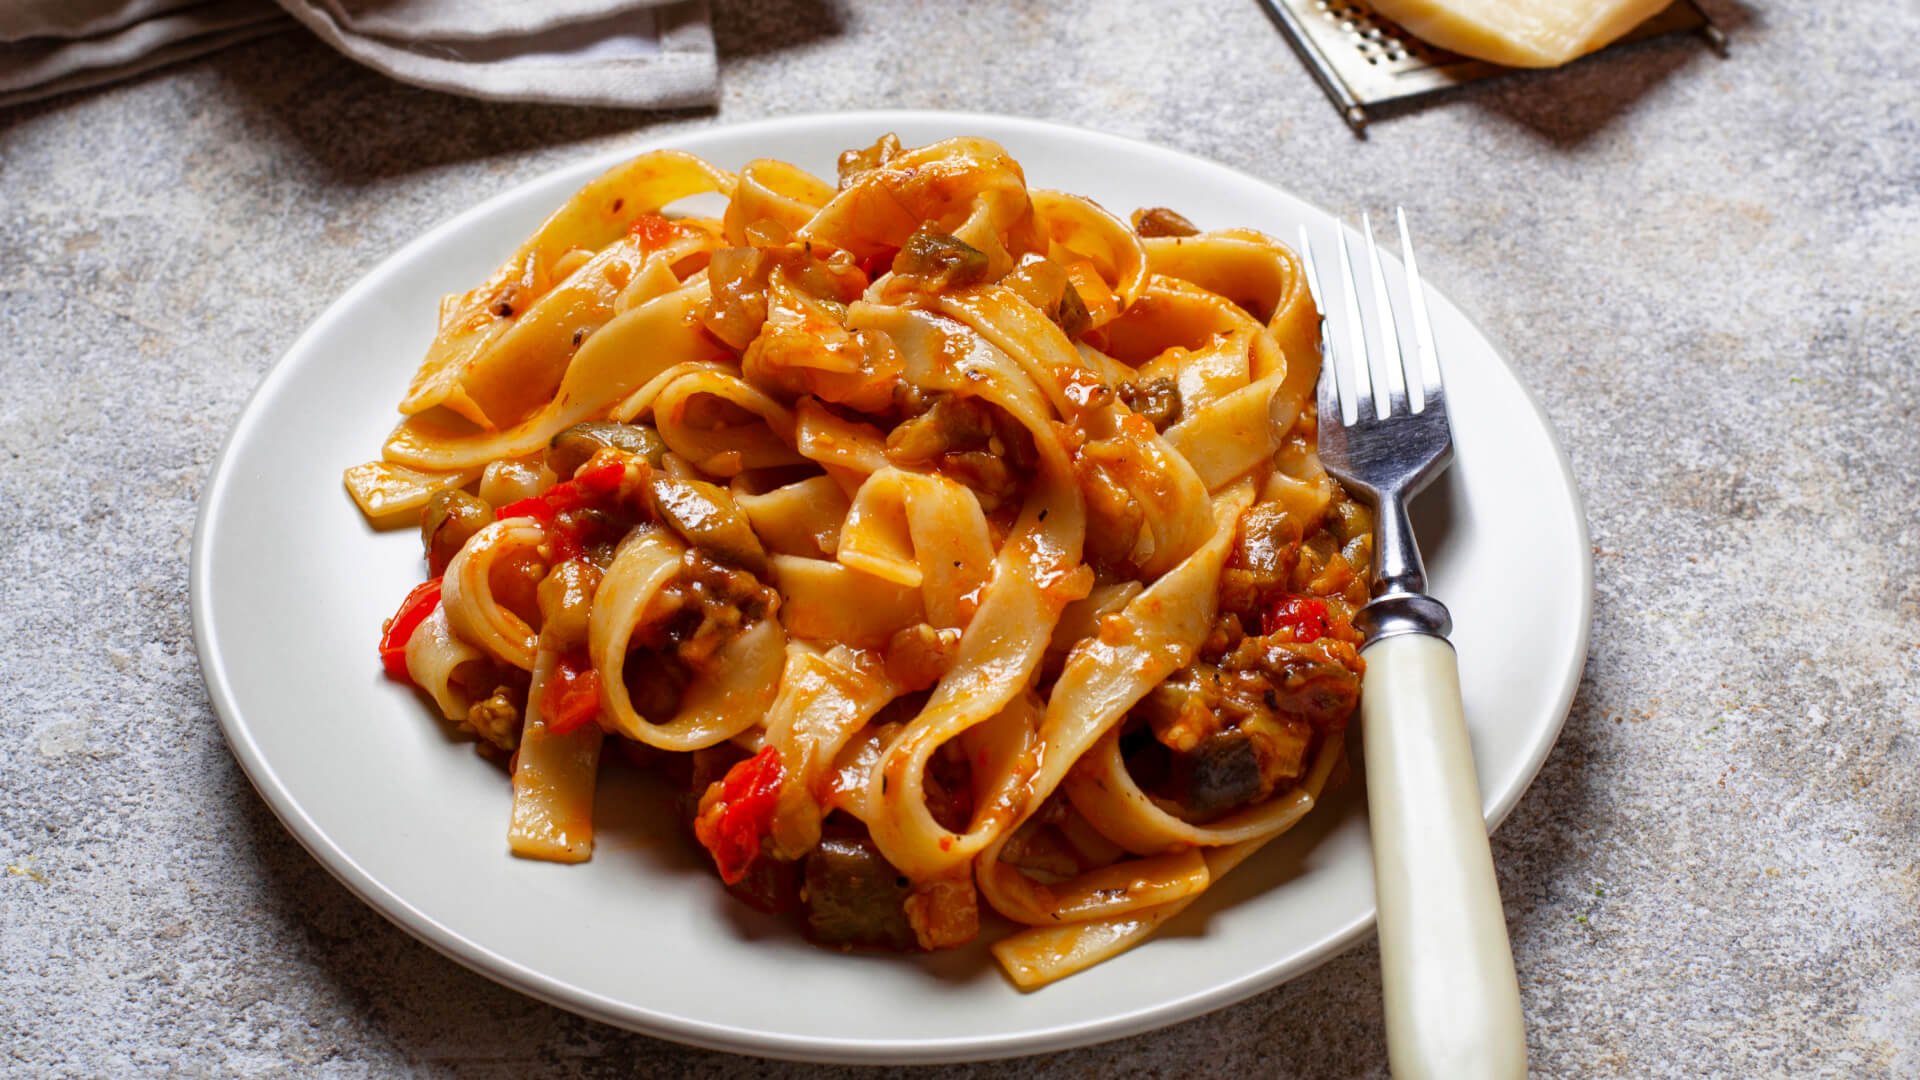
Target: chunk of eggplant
<point>1160,221</point>
<point>949,261</point>
<point>447,522</point>
<point>576,446</point>
<point>1223,771</point>
<point>853,896</point>
<point>709,519</point>
<point>1044,284</point>
<point>1156,399</point>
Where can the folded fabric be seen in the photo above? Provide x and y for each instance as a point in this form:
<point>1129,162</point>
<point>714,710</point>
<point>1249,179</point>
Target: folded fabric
<point>51,47</point>
<point>455,20</point>
<point>637,55</point>
<point>628,53</point>
<point>80,18</point>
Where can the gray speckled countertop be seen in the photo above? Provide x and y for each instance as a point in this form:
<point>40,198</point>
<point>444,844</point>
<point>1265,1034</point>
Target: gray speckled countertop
<point>1705,269</point>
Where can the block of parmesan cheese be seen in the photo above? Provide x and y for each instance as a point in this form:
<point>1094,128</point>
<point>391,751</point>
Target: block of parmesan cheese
<point>1519,33</point>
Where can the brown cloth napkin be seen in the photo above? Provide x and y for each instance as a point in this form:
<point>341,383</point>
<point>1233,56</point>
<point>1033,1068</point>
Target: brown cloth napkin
<point>630,53</point>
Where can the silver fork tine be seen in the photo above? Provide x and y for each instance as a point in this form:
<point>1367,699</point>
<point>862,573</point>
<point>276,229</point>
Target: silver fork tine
<point>1429,358</point>
<point>1392,357</point>
<point>1360,364</point>
<point>1329,387</point>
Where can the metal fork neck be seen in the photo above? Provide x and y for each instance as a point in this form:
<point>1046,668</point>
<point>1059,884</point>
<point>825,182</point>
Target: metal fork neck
<point>1393,614</point>
<point>1400,602</point>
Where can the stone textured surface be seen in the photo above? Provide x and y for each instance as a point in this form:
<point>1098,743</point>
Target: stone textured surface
<point>1705,269</point>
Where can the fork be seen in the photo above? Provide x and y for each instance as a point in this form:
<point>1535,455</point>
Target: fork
<point>1452,1002</point>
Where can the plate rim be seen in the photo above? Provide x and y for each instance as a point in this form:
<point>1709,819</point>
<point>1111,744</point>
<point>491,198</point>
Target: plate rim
<point>479,958</point>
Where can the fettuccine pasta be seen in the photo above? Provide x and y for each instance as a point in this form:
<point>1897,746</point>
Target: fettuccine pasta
<point>948,541</point>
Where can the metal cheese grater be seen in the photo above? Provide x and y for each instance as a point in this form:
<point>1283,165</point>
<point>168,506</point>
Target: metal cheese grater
<point>1364,61</point>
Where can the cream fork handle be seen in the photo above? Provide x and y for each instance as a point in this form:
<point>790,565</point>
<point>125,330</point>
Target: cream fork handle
<point>1452,1002</point>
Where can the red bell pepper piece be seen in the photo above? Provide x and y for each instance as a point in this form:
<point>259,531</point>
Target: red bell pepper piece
<point>1304,615</point>
<point>731,825</point>
<point>653,231</point>
<point>878,263</point>
<point>534,507</point>
<point>565,545</point>
<point>591,485</point>
<point>572,694</point>
<point>395,631</point>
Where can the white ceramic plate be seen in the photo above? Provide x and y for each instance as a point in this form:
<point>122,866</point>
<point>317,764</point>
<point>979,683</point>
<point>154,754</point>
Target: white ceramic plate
<point>289,588</point>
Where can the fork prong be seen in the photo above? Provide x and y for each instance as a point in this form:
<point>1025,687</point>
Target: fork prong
<point>1328,389</point>
<point>1392,358</point>
<point>1358,365</point>
<point>1428,358</point>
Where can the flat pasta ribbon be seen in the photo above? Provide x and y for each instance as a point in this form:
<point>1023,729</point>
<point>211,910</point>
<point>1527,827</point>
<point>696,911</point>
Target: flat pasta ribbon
<point>731,697</point>
<point>594,218</point>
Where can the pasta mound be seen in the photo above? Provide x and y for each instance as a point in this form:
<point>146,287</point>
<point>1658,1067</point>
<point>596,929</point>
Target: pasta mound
<point>947,541</point>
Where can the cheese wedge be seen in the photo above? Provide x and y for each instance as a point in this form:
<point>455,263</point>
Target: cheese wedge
<point>1519,33</point>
